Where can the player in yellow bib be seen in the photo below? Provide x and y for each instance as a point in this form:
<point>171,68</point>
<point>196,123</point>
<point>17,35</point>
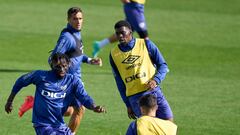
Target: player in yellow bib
<point>138,68</point>
<point>148,124</point>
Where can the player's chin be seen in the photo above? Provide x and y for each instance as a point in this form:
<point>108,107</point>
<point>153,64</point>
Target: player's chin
<point>61,74</point>
<point>122,41</point>
<point>78,27</point>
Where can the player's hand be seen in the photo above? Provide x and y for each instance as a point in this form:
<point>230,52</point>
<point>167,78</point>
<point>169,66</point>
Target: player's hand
<point>96,61</point>
<point>8,107</point>
<point>151,84</point>
<point>99,109</point>
<point>131,114</point>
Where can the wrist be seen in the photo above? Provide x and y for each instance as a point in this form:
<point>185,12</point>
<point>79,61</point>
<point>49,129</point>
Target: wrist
<point>93,106</point>
<point>89,60</point>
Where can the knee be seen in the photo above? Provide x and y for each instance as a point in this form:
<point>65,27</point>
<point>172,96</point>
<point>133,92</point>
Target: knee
<point>79,110</point>
<point>69,111</point>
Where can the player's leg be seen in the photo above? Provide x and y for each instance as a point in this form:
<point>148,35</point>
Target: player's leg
<point>135,16</point>
<point>76,110</point>
<point>76,118</point>
<point>69,111</point>
<point>133,100</point>
<point>164,111</point>
<point>98,45</point>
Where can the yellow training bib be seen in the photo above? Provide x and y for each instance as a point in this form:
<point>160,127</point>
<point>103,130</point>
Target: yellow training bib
<point>139,1</point>
<point>135,67</point>
<point>147,125</point>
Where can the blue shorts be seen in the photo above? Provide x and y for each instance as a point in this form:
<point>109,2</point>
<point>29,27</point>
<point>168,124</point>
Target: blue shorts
<point>164,111</point>
<point>135,16</point>
<point>48,130</point>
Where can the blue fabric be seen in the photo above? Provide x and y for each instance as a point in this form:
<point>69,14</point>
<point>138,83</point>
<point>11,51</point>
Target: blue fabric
<point>52,94</point>
<point>132,129</point>
<point>134,13</point>
<point>163,112</point>
<point>49,130</point>
<point>162,69</point>
<point>65,43</point>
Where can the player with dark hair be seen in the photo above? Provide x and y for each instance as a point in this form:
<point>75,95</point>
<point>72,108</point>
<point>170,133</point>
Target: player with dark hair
<point>148,124</point>
<point>70,43</point>
<point>54,90</point>
<point>134,13</point>
<point>139,68</point>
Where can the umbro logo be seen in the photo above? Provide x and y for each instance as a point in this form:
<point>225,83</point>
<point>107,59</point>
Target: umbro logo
<point>130,59</point>
<point>63,87</point>
<point>46,84</point>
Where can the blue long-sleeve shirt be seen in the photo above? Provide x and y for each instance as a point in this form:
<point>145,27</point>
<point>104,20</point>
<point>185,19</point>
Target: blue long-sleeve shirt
<point>66,43</point>
<point>52,94</point>
<point>156,58</point>
<point>132,129</point>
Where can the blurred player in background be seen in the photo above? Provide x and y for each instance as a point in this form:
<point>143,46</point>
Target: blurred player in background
<point>148,123</point>
<point>138,68</point>
<point>54,90</point>
<point>70,43</point>
<point>134,13</point>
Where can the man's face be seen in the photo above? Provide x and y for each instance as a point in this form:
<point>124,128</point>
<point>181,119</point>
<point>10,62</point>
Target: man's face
<point>124,34</point>
<point>76,20</point>
<point>60,67</point>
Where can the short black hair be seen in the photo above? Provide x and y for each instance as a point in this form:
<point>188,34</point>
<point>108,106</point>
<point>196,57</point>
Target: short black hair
<point>73,10</point>
<point>122,23</point>
<point>58,57</point>
<point>148,101</point>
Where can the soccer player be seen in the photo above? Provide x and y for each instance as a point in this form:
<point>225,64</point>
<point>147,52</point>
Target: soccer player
<point>138,68</point>
<point>148,124</point>
<point>70,43</point>
<point>54,91</point>
<point>134,13</point>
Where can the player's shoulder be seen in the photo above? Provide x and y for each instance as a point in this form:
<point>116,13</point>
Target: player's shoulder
<point>34,74</point>
<point>66,35</point>
<point>40,73</point>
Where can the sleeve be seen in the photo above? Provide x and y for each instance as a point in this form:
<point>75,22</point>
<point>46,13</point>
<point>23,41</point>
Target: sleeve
<point>158,61</point>
<point>120,84</point>
<point>85,59</point>
<point>24,81</point>
<point>82,95</point>
<point>132,129</point>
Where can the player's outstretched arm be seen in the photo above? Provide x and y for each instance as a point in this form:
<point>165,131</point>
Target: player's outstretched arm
<point>8,105</point>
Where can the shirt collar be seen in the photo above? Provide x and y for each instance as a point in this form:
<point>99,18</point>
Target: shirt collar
<point>128,46</point>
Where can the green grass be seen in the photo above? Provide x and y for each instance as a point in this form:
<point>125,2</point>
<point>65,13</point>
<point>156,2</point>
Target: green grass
<point>199,40</point>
